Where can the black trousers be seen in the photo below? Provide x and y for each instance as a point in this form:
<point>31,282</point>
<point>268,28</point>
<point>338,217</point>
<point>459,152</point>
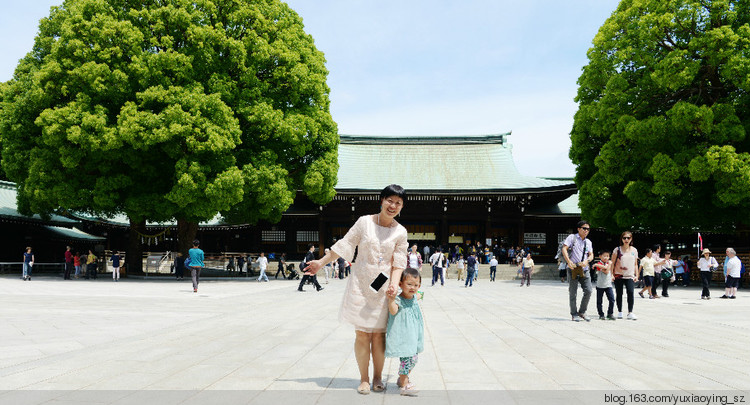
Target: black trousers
<point>312,278</point>
<point>706,281</point>
<point>68,269</point>
<point>610,297</point>
<point>437,272</point>
<point>665,286</point>
<point>630,288</point>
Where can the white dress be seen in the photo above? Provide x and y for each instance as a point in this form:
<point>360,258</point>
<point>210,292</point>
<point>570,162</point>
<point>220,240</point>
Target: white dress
<point>381,249</point>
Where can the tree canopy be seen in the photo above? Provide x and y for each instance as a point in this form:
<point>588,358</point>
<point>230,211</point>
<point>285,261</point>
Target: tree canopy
<point>660,136</point>
<point>170,109</point>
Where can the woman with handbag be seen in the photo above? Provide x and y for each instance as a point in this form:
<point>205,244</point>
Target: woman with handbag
<point>707,264</point>
<point>625,270</point>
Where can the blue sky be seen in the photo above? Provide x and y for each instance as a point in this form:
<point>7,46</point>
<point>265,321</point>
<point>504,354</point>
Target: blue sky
<point>418,67</point>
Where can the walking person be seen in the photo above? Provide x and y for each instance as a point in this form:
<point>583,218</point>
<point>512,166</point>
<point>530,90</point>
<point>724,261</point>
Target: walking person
<point>28,263</point>
<point>196,263</point>
<point>658,267</point>
<point>414,259</point>
<point>493,268</point>
<point>68,263</point>
<point>706,265</point>
<point>115,259</point>
<point>528,267</point>
<point>667,273</point>
<point>262,261</point>
<point>308,276</point>
<point>604,286</point>
<point>561,265</point>
<point>734,272</point>
<point>381,245</point>
<point>681,276</point>
<point>460,267</point>
<point>405,331</point>
<point>646,269</point>
<point>625,271</point>
<point>282,266</point>
<point>328,267</point>
<point>578,253</point>
<point>437,261</point>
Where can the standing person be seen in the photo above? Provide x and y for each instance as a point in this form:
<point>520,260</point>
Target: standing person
<point>115,259</point>
<point>343,265</point>
<point>196,263</point>
<point>561,265</point>
<point>382,245</point>
<point>647,269</point>
<point>604,286</point>
<point>91,265</point>
<point>328,267</point>
<point>625,271</point>
<point>309,257</point>
<point>68,263</point>
<point>511,254</point>
<point>578,253</point>
<point>28,263</point>
<point>77,264</point>
<point>680,273</point>
<point>179,266</point>
<point>437,261</point>
<point>240,263</point>
<point>734,272</point>
<point>426,251</point>
<point>493,268</point>
<point>404,336</point>
<point>262,261</point>
<point>706,265</point>
<point>658,267</point>
<point>282,266</point>
<point>471,265</point>
<point>460,267</point>
<point>528,267</point>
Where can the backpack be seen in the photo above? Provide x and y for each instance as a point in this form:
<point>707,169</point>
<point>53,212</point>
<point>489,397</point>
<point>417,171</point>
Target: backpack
<point>187,261</point>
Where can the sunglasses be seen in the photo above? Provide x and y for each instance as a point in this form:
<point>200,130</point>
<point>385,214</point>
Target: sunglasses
<point>626,238</point>
<point>585,228</point>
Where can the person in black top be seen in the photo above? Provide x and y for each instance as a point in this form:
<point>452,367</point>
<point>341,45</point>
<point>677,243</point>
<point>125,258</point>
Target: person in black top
<point>282,264</point>
<point>179,266</point>
<point>310,256</point>
<point>240,263</point>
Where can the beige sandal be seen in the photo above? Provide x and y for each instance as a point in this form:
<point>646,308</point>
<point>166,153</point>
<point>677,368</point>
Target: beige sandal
<point>364,389</point>
<point>378,386</point>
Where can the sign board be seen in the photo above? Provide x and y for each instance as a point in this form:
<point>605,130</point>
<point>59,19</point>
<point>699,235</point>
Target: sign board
<point>421,236</point>
<point>534,238</point>
<point>456,240</point>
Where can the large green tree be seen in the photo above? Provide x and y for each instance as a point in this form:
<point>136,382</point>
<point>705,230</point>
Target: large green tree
<point>170,109</point>
<point>660,136</point>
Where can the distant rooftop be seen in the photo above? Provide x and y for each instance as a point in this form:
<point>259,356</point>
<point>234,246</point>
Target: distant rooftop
<point>9,208</point>
<point>435,163</point>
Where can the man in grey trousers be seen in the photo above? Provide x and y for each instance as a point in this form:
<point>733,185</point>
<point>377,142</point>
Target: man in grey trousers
<point>578,252</point>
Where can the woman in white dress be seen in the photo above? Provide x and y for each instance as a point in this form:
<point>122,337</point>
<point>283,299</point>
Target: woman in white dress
<point>382,249</point>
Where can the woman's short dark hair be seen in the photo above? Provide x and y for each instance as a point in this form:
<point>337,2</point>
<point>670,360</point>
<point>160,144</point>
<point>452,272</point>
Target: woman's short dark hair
<point>412,273</point>
<point>393,189</point>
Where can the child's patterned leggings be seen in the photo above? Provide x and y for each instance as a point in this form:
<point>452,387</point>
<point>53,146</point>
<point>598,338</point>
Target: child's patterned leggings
<point>407,364</point>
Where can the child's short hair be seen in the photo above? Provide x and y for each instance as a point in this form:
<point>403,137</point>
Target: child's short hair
<point>603,252</point>
<point>667,253</point>
<point>412,273</point>
<point>649,251</point>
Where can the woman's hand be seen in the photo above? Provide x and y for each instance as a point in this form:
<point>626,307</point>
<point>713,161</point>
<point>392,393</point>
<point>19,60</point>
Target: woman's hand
<point>313,267</point>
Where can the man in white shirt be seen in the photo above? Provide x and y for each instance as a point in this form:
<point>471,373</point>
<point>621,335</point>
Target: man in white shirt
<point>262,264</point>
<point>493,268</point>
<point>734,272</point>
<point>437,261</point>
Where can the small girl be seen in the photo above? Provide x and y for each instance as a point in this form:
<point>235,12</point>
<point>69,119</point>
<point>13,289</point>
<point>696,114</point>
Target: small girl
<point>405,332</point>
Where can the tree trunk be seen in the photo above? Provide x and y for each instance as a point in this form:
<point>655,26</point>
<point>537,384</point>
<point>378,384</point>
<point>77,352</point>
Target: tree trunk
<point>134,256</point>
<point>186,232</point>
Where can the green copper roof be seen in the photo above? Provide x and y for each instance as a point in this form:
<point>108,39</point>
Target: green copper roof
<point>436,163</point>
<point>9,207</point>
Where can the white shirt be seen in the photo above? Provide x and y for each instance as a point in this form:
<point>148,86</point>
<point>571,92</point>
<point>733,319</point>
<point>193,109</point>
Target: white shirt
<point>460,264</point>
<point>262,262</point>
<point>413,260</point>
<point>493,262</point>
<point>706,264</point>
<point>734,266</point>
<point>437,259</point>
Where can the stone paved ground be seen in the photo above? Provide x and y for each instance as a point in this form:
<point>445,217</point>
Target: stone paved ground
<point>155,341</point>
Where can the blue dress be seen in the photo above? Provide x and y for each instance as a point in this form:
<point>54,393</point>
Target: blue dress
<point>404,336</point>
